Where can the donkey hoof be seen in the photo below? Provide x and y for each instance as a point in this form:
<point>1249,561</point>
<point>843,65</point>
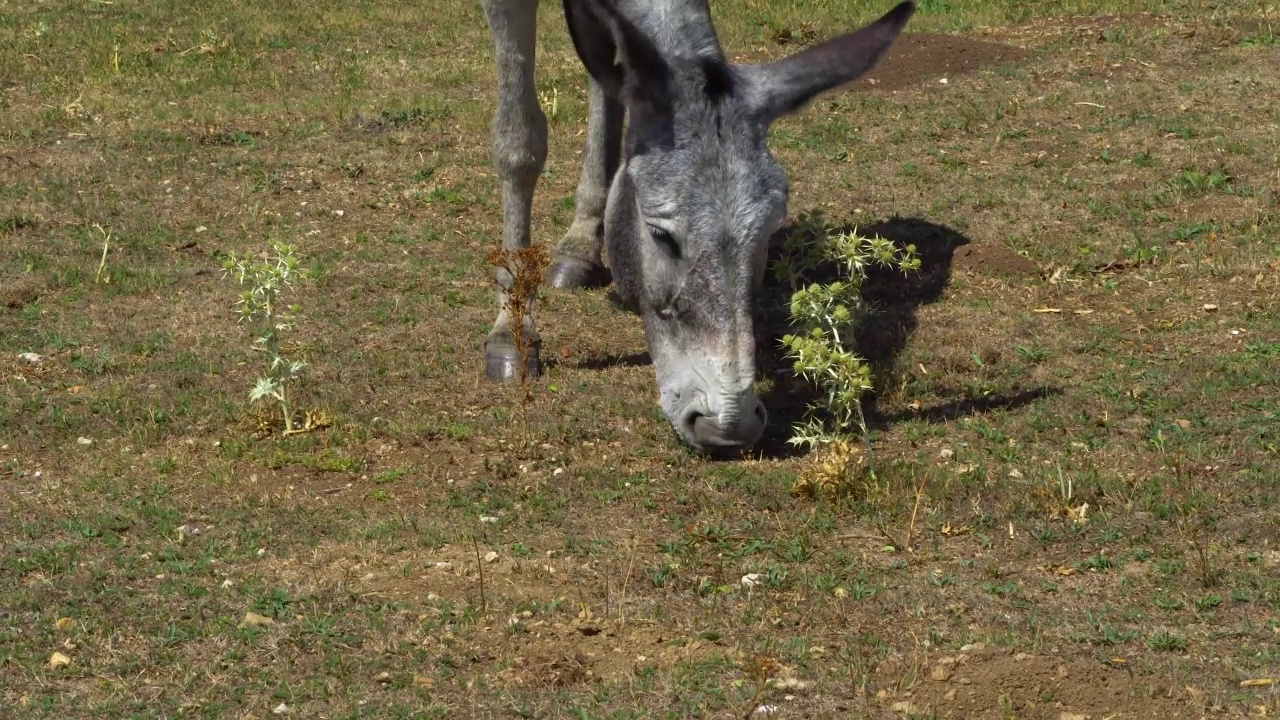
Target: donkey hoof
<point>502,362</point>
<point>571,273</point>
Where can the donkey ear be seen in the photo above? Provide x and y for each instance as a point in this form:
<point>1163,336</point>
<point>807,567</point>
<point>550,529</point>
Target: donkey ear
<point>785,86</point>
<point>625,62</point>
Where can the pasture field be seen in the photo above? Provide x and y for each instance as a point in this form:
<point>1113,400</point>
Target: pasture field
<point>1077,429</point>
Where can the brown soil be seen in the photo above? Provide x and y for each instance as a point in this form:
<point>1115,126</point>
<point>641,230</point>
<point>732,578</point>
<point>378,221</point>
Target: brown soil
<point>917,56</point>
<point>975,685</point>
<point>995,260</point>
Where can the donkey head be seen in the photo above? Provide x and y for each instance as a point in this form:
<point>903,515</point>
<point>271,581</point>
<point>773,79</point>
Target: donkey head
<point>698,193</point>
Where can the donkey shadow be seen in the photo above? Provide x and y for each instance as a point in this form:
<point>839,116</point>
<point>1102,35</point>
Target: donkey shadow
<point>895,299</point>
<point>880,338</point>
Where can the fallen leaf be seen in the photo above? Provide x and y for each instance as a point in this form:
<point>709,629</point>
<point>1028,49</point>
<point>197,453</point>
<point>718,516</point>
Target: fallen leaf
<point>253,619</point>
<point>1210,307</point>
<point>58,660</point>
<point>1256,682</point>
<point>65,623</point>
<point>1184,424</point>
<point>423,681</point>
<point>75,389</point>
<point>280,709</point>
<point>1047,310</point>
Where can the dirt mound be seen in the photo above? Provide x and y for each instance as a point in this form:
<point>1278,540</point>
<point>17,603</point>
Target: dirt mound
<point>549,653</point>
<point>925,55</point>
<point>999,684</point>
<point>995,260</point>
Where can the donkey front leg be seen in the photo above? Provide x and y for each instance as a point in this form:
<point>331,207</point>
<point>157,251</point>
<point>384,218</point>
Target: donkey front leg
<point>519,152</point>
<point>577,262</point>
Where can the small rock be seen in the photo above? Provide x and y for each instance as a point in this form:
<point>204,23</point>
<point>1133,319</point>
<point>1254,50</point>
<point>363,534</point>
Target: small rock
<point>1210,307</point>
<point>227,583</point>
<point>906,707</point>
<point>1023,656</point>
<point>383,677</point>
<point>766,710</point>
<point>942,81</point>
<point>491,557</point>
<point>557,472</point>
<point>84,441</point>
<point>280,709</point>
<point>444,565</point>
<point>941,673</point>
<point>972,647</point>
<point>30,357</point>
<point>950,695</point>
<point>253,619</point>
<point>750,580</point>
<point>487,519</point>
<point>423,681</point>
<point>946,453</point>
<point>58,660</point>
<point>1016,474</point>
<point>1184,424</point>
<point>1072,716</point>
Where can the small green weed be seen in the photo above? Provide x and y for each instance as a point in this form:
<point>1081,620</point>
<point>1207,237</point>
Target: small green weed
<point>267,277</point>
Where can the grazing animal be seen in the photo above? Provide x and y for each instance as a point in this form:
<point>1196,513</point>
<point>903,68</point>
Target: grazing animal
<point>686,204</point>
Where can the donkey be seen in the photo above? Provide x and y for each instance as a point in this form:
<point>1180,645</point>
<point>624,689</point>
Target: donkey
<point>685,205</point>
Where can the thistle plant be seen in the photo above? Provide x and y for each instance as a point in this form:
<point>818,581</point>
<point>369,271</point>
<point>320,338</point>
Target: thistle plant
<point>265,277</point>
<point>825,315</point>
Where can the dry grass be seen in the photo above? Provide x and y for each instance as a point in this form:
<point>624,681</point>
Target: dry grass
<point>1076,442</point>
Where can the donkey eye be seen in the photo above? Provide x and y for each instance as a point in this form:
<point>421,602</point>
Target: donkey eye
<point>665,241</point>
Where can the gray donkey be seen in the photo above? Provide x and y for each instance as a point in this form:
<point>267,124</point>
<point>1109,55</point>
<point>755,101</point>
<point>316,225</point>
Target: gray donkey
<point>686,205</point>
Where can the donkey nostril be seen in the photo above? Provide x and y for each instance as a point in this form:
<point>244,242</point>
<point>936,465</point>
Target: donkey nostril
<point>761,413</point>
<point>690,421</point>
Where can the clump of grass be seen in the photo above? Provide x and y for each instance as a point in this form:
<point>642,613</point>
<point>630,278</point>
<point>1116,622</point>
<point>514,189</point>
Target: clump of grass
<point>825,315</point>
<point>266,277</point>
